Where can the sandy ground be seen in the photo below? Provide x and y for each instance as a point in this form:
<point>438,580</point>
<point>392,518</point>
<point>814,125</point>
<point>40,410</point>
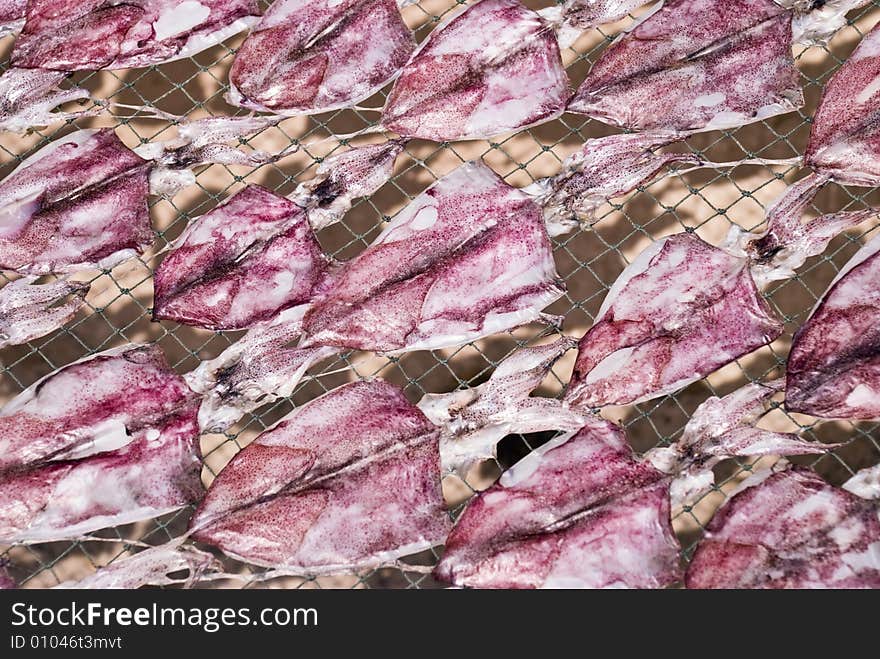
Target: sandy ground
<point>589,262</point>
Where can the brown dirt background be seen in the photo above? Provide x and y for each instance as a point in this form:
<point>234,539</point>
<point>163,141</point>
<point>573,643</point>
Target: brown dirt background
<point>708,201</point>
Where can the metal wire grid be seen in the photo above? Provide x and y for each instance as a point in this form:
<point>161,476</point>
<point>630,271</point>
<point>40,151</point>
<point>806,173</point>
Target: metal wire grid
<point>118,307</point>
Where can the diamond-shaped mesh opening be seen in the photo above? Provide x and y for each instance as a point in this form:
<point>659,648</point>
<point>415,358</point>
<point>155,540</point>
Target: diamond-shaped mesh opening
<point>707,202</point>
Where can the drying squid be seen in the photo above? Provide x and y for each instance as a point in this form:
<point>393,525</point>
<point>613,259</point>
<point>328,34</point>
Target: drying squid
<point>604,168</point>
<point>395,278</point>
<point>109,440</point>
<point>583,511</point>
<point>347,481</point>
<point>11,16</point>
<point>576,513</point>
<point>240,264</point>
<point>792,529</point>
<point>844,145</point>
<point>30,98</point>
<point>466,259</point>
<point>696,65</point>
<point>256,254</point>
<point>684,308</point>
<point>343,177</point>
<point>816,21</point>
<point>306,495</point>
<point>313,56</point>
<point>834,364</point>
<point>29,310</point>
<point>844,140</point>
<point>79,202</point>
<point>76,35</point>
<point>492,67</point>
<point>475,419</point>
<point>584,14</point>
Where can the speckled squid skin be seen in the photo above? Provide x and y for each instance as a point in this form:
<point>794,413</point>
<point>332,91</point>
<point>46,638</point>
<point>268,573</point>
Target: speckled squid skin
<point>29,97</point>
<point>585,14</point>
<point>244,262</point>
<point>11,15</point>
<point>466,259</point>
<point>262,366</point>
<point>493,68</point>
<point>576,513</point>
<point>845,136</point>
<point>680,311</point>
<point>74,35</point>
<point>29,310</point>
<point>349,480</point>
<point>696,65</point>
<point>79,202</point>
<point>106,441</point>
<point>343,177</point>
<point>793,530</point>
<point>87,404</point>
<point>834,364</point>
<point>605,167</point>
<point>309,56</point>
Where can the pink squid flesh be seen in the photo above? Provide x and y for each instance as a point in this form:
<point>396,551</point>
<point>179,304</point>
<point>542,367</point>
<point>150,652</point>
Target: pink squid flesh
<point>834,364</point>
<point>793,530</point>
<point>680,311</point>
<point>256,254</point>
<point>29,98</point>
<point>583,512</point>
<point>466,259</point>
<point>349,480</point>
<point>845,139</point>
<point>106,441</point>
<point>242,263</point>
<point>79,202</point>
<point>11,15</point>
<point>29,310</point>
<point>310,56</point>
<point>577,513</point>
<point>75,35</point>
<point>585,14</point>
<point>696,65</point>
<point>493,68</point>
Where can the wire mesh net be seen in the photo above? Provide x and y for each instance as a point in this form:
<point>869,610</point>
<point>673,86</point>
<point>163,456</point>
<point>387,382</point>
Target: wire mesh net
<point>706,202</point>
